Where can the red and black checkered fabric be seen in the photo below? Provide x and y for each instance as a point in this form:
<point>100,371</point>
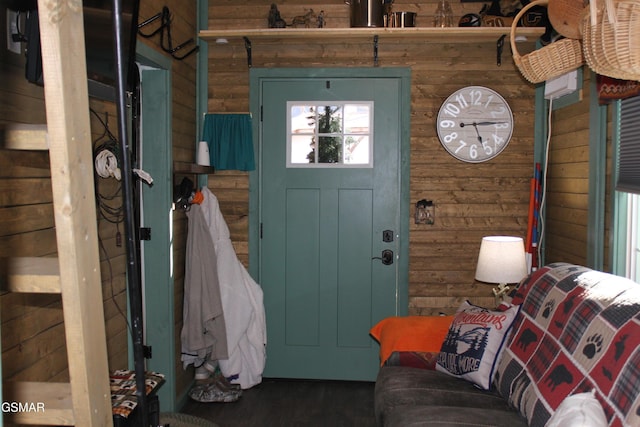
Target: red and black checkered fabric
<point>578,330</point>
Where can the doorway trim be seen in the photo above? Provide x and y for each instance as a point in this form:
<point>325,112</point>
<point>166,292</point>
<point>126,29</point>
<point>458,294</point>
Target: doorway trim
<point>159,303</point>
<point>255,177</point>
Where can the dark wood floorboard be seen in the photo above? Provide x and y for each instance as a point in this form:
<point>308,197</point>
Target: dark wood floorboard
<point>299,403</point>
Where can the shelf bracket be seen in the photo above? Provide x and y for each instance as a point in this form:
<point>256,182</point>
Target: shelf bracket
<point>375,50</point>
<point>247,46</point>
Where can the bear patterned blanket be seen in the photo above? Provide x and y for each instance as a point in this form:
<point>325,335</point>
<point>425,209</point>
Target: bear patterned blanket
<point>579,330</point>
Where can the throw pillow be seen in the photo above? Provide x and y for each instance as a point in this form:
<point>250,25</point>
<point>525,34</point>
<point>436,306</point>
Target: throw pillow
<point>579,410</point>
<point>410,333</point>
<point>473,345</point>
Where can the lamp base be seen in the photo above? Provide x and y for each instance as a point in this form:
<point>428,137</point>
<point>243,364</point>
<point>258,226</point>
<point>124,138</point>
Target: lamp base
<point>500,291</point>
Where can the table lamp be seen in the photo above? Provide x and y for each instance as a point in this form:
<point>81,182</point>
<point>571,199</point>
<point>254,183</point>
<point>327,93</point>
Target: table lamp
<point>501,261</point>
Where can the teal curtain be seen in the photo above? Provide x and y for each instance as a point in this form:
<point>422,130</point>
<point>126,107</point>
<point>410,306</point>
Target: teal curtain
<point>230,140</point>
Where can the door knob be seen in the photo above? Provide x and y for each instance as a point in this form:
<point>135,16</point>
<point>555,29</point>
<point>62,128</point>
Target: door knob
<point>386,258</point>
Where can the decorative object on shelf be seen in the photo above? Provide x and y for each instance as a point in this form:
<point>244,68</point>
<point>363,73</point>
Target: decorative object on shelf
<point>165,26</point>
<point>501,261</point>
<point>549,61</point>
<point>275,20</point>
<point>499,13</point>
<point>304,20</point>
<point>320,21</point>
<point>470,20</point>
<point>400,19</point>
<point>475,124</point>
<point>610,37</point>
<point>367,13</point>
<point>425,212</point>
<point>443,17</point>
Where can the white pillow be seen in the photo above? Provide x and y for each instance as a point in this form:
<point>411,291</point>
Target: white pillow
<point>473,345</point>
<point>579,410</point>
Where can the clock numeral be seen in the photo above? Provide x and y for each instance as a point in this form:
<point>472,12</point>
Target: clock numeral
<point>461,146</point>
<point>462,100</point>
<point>452,110</point>
<point>447,124</point>
<point>450,137</point>
<point>476,96</point>
<point>498,112</point>
<point>473,151</point>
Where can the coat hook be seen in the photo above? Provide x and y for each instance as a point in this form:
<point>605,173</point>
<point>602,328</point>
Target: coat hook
<point>165,26</point>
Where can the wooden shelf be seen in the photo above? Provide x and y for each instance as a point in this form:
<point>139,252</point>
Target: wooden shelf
<point>184,168</point>
<point>428,34</point>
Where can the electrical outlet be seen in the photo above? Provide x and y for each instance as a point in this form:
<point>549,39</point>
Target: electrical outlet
<point>12,28</point>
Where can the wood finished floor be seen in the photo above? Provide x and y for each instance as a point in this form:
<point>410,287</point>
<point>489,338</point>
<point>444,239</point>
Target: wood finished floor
<point>299,403</point>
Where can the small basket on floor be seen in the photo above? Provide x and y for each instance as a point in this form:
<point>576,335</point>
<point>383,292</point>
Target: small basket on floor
<point>549,61</point>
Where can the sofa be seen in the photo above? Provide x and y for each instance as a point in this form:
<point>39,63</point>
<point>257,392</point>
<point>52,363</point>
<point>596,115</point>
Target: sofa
<point>573,332</point>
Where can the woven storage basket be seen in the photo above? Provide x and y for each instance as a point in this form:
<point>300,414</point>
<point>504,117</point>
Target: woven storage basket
<point>611,37</point>
<point>566,16</point>
<point>549,61</point>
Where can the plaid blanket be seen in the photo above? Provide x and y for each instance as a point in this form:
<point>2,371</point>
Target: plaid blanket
<point>578,330</point>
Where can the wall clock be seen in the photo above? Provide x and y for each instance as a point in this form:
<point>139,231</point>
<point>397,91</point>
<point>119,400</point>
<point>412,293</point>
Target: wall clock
<point>475,124</point>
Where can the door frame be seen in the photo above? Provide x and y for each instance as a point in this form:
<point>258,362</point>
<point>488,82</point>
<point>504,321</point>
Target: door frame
<point>157,253</point>
<point>256,77</point>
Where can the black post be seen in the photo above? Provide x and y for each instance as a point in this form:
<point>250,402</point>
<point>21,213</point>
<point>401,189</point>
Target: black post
<point>134,286</point>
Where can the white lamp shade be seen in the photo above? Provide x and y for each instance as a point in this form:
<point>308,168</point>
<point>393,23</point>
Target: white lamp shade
<point>501,260</point>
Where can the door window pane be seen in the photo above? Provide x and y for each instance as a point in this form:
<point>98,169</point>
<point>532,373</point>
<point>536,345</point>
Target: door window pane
<point>336,135</point>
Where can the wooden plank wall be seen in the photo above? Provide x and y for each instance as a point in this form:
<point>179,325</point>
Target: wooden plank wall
<point>568,182</point>
<point>33,345</point>
<point>471,200</point>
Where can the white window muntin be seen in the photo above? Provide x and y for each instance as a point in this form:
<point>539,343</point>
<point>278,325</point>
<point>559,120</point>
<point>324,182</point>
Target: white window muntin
<point>303,134</point>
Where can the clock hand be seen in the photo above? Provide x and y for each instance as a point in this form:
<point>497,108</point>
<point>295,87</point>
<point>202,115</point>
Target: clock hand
<point>475,126</point>
<point>481,124</point>
<point>490,123</point>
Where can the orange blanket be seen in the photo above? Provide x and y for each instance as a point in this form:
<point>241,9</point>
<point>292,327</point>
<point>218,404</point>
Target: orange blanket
<point>410,333</point>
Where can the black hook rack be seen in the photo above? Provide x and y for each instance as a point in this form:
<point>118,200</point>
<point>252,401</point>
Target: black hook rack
<point>247,46</point>
<point>375,50</point>
<point>165,26</point>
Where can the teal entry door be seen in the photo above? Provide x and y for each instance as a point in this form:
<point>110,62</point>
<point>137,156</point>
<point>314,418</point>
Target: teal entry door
<point>330,207</point>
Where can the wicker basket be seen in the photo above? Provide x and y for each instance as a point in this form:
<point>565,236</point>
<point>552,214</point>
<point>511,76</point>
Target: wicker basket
<point>566,16</point>
<point>549,61</point>
<point>611,37</point>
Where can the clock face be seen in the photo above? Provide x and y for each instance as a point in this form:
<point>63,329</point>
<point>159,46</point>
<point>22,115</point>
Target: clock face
<point>475,124</point>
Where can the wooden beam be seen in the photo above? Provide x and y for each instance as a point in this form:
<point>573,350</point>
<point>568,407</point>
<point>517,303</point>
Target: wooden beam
<point>70,153</point>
